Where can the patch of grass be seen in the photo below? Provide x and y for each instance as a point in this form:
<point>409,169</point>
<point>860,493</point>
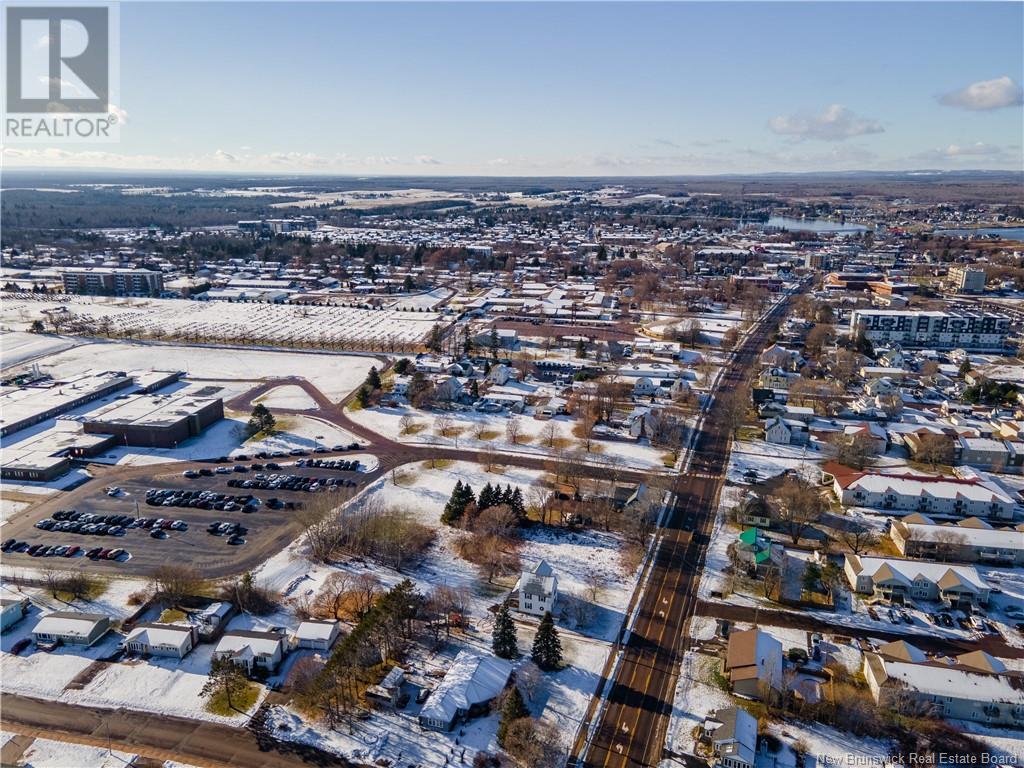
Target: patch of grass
<point>490,434</point>
<point>562,443</point>
<point>749,433</point>
<point>94,587</point>
<point>414,429</point>
<point>669,459</point>
<point>353,405</point>
<point>171,615</point>
<point>405,477</point>
<point>437,463</point>
<point>242,701</point>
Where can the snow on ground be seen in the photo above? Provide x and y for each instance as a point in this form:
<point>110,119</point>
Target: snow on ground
<point>227,437</point>
<point>290,396</point>
<point>230,321</point>
<point>162,685</point>
<point>829,745</point>
<point>579,558</point>
<point>695,698</point>
<point>532,441</point>
<point>73,478</point>
<point>769,459</point>
<point>19,346</point>
<point>45,753</point>
<point>335,375</point>
<point>9,508</point>
<point>1004,742</point>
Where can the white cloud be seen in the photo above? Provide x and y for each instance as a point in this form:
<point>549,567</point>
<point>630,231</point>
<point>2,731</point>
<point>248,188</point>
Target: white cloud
<point>986,94</point>
<point>836,123</point>
<point>979,148</point>
<point>426,160</point>
<point>227,157</point>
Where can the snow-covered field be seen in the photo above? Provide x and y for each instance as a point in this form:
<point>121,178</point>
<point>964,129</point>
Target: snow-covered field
<point>769,459</point>
<point>334,375</point>
<point>46,753</point>
<point>289,396</point>
<point>625,453</point>
<point>19,346</point>
<point>221,321</point>
<point>580,559</point>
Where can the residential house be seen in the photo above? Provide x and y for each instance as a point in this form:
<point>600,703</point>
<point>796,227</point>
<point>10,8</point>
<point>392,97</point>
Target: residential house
<point>252,649</point>
<point>12,610</point>
<point>389,689</point>
<point>785,431</point>
<point>212,618</point>
<point>982,452</point>
<point>754,510</point>
<point>753,662</point>
<point>973,686</point>
<point>501,374</point>
<point>448,389</point>
<point>538,589</point>
<point>71,628</point>
<point>732,735</point>
<point>174,640</point>
<point>471,684</point>
<point>898,581</point>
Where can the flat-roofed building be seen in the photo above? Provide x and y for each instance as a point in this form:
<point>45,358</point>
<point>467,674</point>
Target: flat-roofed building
<point>975,331</point>
<point>159,421</point>
<point>967,279</point>
<point>107,281</point>
<point>21,407</point>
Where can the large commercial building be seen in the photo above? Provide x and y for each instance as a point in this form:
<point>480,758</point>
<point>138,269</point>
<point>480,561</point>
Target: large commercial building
<point>22,407</point>
<point>105,281</point>
<point>981,331</point>
<point>967,279</point>
<point>158,421</point>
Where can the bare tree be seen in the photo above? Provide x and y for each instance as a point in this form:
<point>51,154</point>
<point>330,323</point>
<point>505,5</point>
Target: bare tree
<point>858,539</point>
<point>513,429</point>
<point>799,505</point>
<point>406,423</point>
<point>550,433</point>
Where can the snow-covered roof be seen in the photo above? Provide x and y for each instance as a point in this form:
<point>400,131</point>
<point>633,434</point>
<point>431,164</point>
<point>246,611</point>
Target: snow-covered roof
<point>316,630</point>
<point>884,569</point>
<point>919,485</point>
<point>471,679</point>
<point>958,681</point>
<point>159,634</point>
<point>69,623</point>
<point>237,643</point>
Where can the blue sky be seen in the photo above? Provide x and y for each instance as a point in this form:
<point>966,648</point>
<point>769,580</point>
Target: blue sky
<point>567,88</point>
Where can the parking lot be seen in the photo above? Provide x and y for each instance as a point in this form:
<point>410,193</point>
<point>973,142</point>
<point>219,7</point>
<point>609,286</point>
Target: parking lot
<point>267,510</point>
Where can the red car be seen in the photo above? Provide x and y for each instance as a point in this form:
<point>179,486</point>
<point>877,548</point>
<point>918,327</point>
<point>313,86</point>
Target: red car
<point>72,551</point>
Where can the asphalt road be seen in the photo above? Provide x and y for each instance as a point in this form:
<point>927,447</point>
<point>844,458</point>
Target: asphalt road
<point>630,729</point>
<point>161,737</point>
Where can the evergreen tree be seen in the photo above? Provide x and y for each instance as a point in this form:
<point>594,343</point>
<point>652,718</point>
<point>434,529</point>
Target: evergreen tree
<point>517,504</point>
<point>261,420</point>
<point>452,510</point>
<point>363,396</point>
<point>506,496</point>
<point>494,342</point>
<point>373,378</point>
<point>474,390</point>
<point>547,648</point>
<point>486,497</point>
<point>402,365</point>
<point>581,349</point>
<point>512,709</point>
<point>503,638</point>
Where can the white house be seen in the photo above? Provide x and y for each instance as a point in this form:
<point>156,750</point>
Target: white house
<point>538,589</point>
<point>753,661</point>
<point>501,374</point>
<point>316,635</point>
<point>251,649</point>
<point>786,431</point>
<point>160,640</point>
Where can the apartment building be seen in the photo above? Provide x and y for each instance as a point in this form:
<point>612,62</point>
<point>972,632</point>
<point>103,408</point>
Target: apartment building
<point>106,281</point>
<point>975,331</point>
<point>969,541</point>
<point>899,581</point>
<point>972,686</point>
<point>967,279</point>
